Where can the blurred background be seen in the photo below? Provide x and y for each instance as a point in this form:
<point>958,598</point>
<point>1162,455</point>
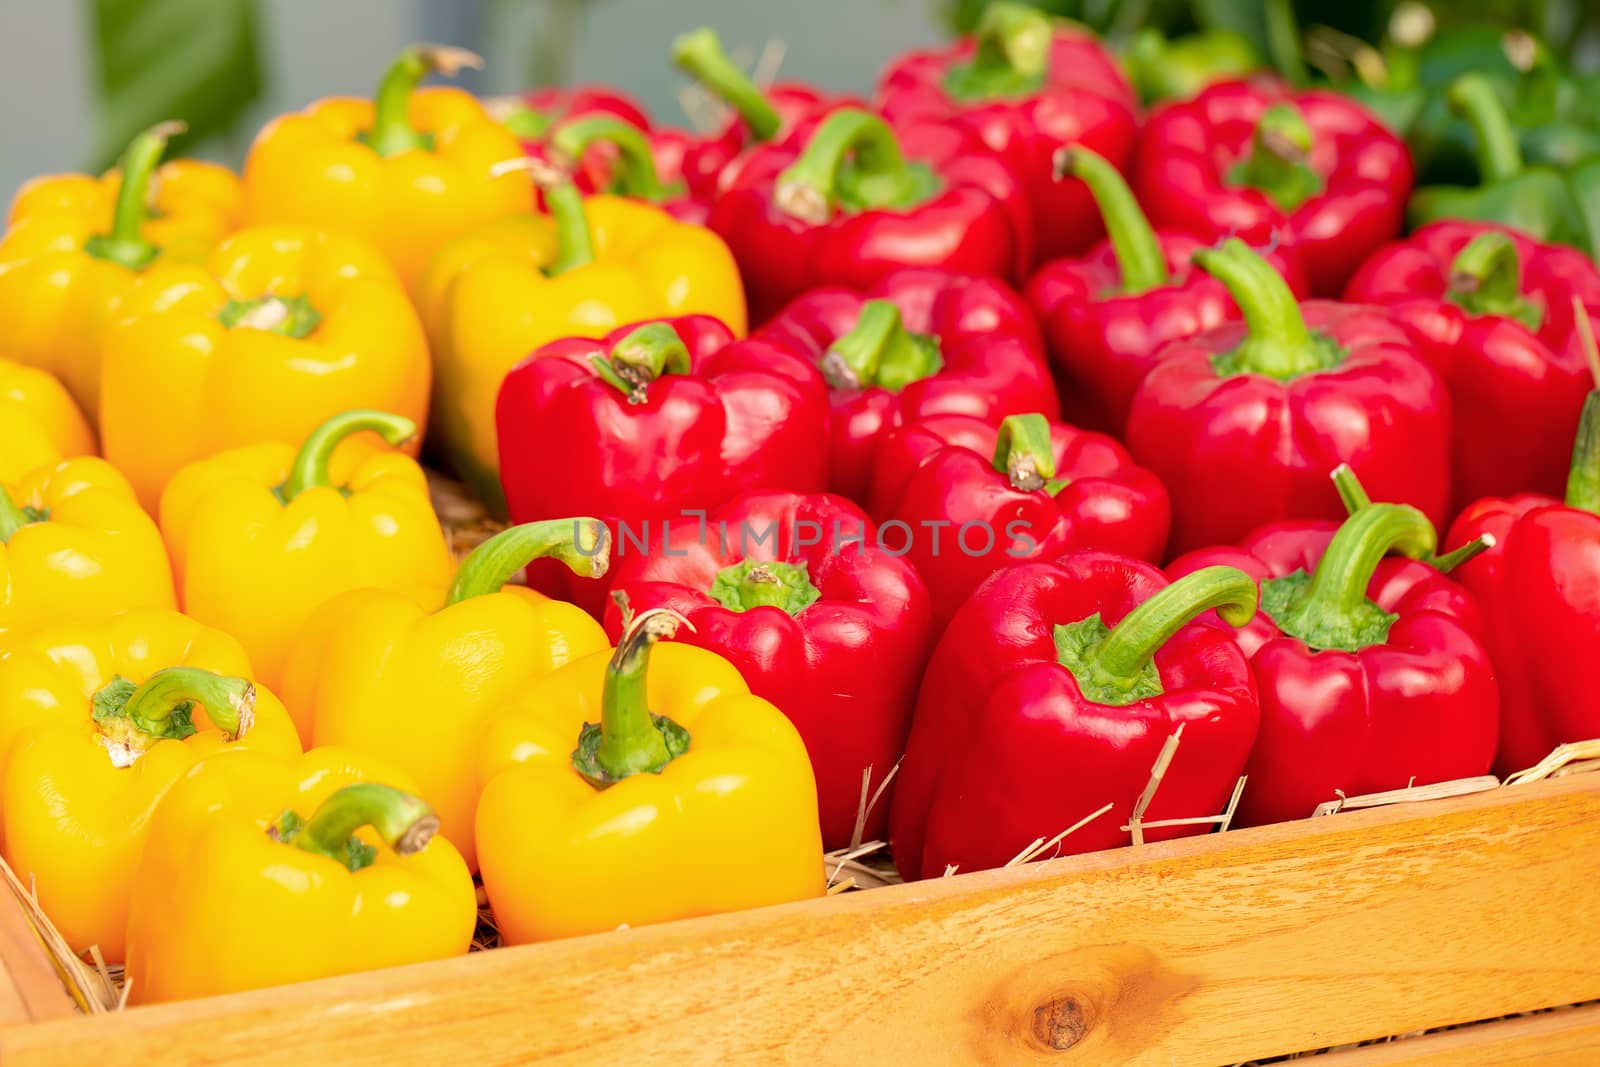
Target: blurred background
<point>79,77</point>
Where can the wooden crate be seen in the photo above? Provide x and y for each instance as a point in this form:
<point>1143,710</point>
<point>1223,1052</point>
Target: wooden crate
<point>1215,949</point>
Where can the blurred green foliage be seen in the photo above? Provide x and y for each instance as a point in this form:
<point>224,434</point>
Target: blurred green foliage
<point>198,61</point>
<point>1564,23</point>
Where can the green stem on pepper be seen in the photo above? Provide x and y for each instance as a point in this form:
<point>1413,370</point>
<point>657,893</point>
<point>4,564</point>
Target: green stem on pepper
<point>392,132</point>
<point>699,53</point>
<point>754,584</point>
<point>1011,57</point>
<point>403,822</point>
<point>583,546</point>
<point>1278,343</point>
<point>125,244</point>
<point>1116,666</point>
<point>629,739</point>
<point>1499,155</point>
<point>1486,279</point>
<point>636,166</point>
<point>852,162</point>
<point>1279,161</point>
<point>310,466</point>
<point>641,357</point>
<point>1331,610</point>
<point>880,352</point>
<point>1140,260</point>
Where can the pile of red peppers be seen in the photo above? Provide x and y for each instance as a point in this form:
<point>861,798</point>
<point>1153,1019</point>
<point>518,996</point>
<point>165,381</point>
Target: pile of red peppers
<point>1084,459</point>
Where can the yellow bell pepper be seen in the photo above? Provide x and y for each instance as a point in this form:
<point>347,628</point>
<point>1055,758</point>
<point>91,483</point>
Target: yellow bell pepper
<point>408,171</point>
<point>376,672</point>
<point>280,329</point>
<point>65,265</point>
<point>261,871</point>
<point>39,423</point>
<point>76,547</point>
<point>262,536</point>
<point>685,795</point>
<point>96,723</point>
<point>588,267</point>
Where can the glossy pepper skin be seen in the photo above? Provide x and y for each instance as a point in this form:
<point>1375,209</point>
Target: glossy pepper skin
<point>1025,86</point>
<point>591,266</point>
<point>1033,713</point>
<point>96,723</point>
<point>686,795</point>
<point>761,115</point>
<point>75,547</point>
<point>1107,314</point>
<point>1539,587</point>
<point>408,171</point>
<point>920,342</point>
<point>1558,204</point>
<point>1257,413</point>
<point>1370,671</point>
<point>1262,163</point>
<point>818,618</point>
<point>645,426</point>
<point>1492,313</point>
<point>40,425</point>
<point>977,498</point>
<point>282,328</point>
<point>372,669</point>
<point>283,870</point>
<point>262,536</point>
<point>851,199</point>
<point>67,260</point>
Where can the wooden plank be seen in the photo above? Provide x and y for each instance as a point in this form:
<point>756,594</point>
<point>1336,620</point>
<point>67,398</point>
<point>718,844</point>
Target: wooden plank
<point>1552,1039</point>
<point>29,986</point>
<point>1210,950</point>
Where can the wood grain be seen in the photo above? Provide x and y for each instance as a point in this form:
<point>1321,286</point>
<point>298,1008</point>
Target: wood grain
<point>1210,950</point>
<point>1554,1039</point>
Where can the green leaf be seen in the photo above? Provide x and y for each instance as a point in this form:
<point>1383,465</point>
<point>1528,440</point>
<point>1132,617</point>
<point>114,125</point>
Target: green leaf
<point>198,61</point>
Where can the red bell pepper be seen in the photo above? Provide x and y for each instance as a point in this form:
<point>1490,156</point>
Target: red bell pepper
<point>969,499</point>
<point>794,590</point>
<point>1258,162</point>
<point>652,421</point>
<point>760,115</point>
<point>1258,413</point>
<point>1106,315</point>
<point>856,200</point>
<point>1026,85</point>
<point>1492,312</point>
<point>918,343</point>
<point>1034,714</point>
<point>1539,587</point>
<point>1370,671</point>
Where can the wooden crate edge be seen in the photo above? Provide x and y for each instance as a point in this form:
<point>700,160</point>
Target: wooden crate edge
<point>1123,956</point>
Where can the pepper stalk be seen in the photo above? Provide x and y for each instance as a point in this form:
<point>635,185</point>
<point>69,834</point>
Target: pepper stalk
<point>392,132</point>
<point>1116,665</point>
<point>583,545</point>
<point>1278,343</point>
<point>630,739</point>
<point>880,352</point>
<point>311,462</point>
<point>125,243</point>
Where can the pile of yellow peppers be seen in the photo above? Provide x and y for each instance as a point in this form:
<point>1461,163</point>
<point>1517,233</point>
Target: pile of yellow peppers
<point>257,725</point>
